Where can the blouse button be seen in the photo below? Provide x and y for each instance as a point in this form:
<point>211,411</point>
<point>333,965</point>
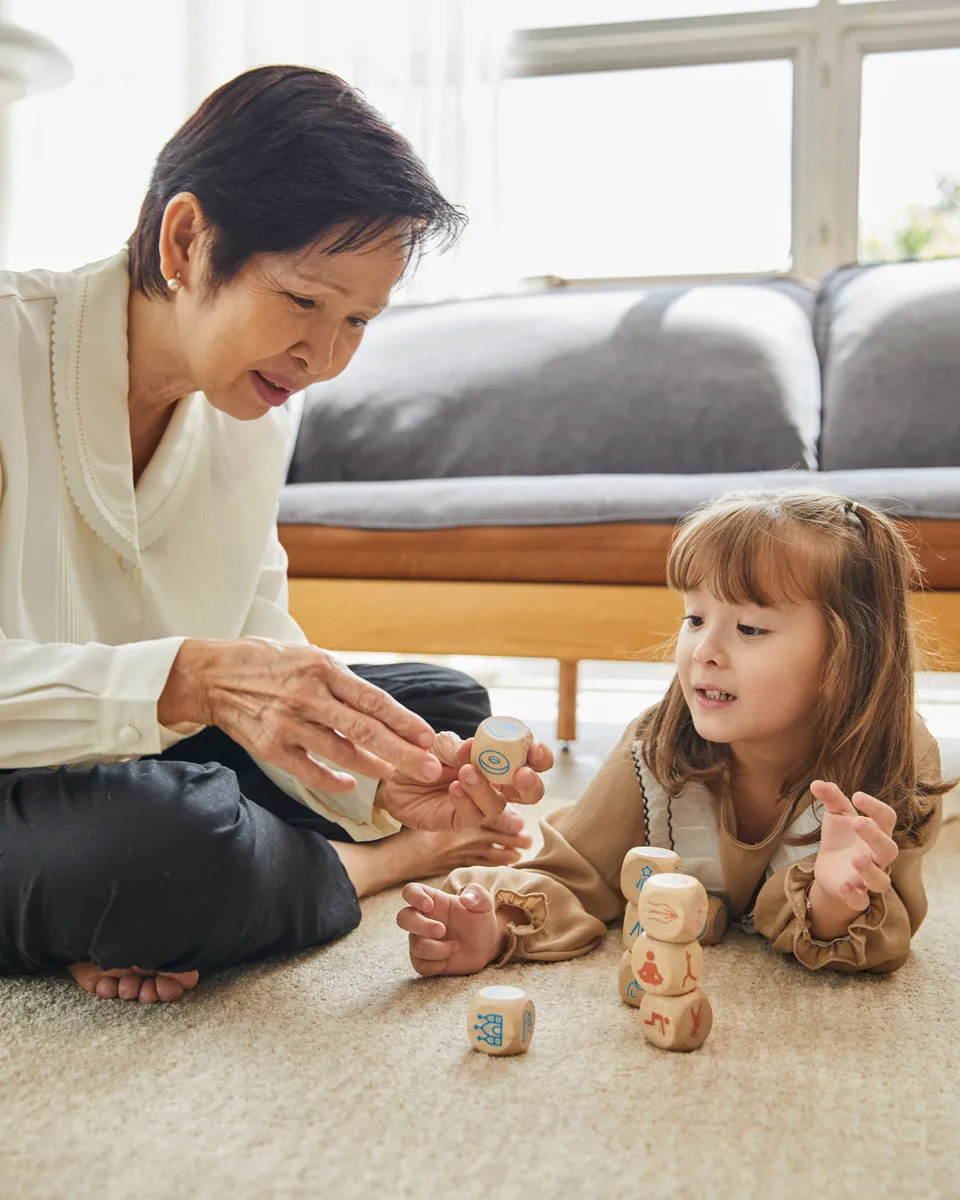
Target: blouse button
<point>126,564</point>
<point>129,736</point>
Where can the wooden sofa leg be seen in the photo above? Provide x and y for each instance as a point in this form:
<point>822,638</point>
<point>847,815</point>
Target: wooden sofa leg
<point>567,709</point>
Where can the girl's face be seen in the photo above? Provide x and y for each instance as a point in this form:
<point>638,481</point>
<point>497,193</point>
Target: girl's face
<point>751,675</point>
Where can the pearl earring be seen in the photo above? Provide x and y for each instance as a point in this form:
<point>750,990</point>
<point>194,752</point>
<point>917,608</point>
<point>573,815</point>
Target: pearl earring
<point>175,283</point>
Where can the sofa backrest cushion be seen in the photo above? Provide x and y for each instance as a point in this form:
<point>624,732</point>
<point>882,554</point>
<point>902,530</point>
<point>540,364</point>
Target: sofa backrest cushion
<point>719,377</point>
<point>889,338</point>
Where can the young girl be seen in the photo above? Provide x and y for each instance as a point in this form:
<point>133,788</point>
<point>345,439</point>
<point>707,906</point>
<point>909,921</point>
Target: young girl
<point>785,765</point>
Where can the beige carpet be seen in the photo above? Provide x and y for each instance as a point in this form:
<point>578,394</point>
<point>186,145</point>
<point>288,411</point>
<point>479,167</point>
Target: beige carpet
<point>339,1075</point>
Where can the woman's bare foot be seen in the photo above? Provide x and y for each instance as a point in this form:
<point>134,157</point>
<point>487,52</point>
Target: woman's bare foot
<point>132,983</point>
<point>418,854</point>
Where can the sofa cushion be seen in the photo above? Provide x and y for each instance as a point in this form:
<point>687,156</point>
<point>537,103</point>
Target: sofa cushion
<point>608,380</point>
<point>889,336</point>
<point>589,499</point>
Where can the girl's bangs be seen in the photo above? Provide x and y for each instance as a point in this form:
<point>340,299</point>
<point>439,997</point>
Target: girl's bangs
<point>746,558</point>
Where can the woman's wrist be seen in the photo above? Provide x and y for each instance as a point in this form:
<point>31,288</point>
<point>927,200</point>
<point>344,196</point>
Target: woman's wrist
<point>828,917</point>
<point>186,694</point>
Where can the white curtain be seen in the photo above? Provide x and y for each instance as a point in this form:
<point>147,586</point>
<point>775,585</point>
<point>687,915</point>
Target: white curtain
<point>81,155</point>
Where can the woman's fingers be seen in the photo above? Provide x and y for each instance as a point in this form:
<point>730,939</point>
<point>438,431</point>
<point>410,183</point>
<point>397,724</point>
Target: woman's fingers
<point>488,800</point>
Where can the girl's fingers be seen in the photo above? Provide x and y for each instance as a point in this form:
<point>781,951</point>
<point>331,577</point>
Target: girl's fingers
<point>884,849</point>
<point>874,878</point>
<point>831,797</point>
<point>540,757</point>
<point>420,896</point>
<point>430,950</point>
<point>854,894</point>
<point>422,926</point>
<point>882,813</point>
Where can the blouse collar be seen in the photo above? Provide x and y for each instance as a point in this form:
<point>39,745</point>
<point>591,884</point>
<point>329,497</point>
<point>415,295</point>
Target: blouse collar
<point>90,387</point>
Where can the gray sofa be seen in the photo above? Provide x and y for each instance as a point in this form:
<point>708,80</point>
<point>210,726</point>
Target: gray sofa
<point>503,475</point>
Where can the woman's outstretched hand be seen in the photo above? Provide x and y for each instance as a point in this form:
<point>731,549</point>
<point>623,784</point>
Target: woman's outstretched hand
<point>449,935</point>
<point>285,703</point>
<point>462,796</point>
<point>855,847</point>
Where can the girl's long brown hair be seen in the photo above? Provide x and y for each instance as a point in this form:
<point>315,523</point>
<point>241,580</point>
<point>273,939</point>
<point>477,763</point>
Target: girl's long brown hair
<point>767,548</point>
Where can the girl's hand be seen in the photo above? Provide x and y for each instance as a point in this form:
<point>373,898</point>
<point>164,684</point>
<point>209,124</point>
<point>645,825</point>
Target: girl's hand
<point>855,847</point>
<point>462,797</point>
<point>449,935</point>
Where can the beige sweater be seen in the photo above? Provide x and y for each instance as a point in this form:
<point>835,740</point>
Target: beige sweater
<point>571,889</point>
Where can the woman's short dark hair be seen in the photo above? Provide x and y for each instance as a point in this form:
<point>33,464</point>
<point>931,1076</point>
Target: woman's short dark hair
<point>278,158</point>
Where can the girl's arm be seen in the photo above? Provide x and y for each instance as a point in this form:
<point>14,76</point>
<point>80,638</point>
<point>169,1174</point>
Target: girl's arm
<point>557,905</point>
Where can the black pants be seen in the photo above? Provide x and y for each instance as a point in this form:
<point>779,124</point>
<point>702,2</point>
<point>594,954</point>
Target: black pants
<point>185,860</point>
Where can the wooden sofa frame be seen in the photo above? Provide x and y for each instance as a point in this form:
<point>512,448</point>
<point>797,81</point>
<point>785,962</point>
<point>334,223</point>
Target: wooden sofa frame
<point>564,592</point>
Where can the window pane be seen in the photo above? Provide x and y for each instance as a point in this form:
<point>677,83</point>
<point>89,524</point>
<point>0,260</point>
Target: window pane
<point>910,156</point>
<point>681,170</point>
<point>81,155</point>
<point>525,14</point>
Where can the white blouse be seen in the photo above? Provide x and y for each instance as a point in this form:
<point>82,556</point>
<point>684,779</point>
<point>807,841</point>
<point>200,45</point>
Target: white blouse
<point>101,582</point>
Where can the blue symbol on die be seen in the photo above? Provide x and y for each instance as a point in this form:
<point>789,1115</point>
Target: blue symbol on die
<point>490,1029</point>
<point>494,762</point>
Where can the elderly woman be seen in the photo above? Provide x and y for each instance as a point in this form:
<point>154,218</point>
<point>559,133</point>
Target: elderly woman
<point>185,782</point>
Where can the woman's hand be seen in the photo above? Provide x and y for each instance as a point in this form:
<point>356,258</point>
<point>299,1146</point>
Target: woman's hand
<point>855,847</point>
<point>462,796</point>
<point>450,935</point>
<point>284,703</point>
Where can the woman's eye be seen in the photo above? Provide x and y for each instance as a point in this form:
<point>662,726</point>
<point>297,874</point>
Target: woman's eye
<point>751,630</point>
<point>358,322</point>
<point>301,301</point>
<point>694,622</point>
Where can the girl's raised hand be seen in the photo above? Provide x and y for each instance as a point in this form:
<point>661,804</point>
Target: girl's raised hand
<point>449,935</point>
<point>855,847</point>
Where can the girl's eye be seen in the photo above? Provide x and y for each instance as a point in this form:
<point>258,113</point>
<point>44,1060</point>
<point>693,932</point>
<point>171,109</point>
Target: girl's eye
<point>694,622</point>
<point>301,301</point>
<point>751,630</point>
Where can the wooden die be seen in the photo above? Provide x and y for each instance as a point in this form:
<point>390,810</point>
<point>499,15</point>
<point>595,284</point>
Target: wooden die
<point>666,968</point>
<point>500,748</point>
<point>631,925</point>
<point>672,908</point>
<point>630,990</point>
<point>676,1022</point>
<point>640,863</point>
<point>500,1020</point>
<point>715,925</point>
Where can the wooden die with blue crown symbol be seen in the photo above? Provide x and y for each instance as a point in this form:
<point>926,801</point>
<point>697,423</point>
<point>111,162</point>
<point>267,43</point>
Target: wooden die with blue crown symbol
<point>500,1020</point>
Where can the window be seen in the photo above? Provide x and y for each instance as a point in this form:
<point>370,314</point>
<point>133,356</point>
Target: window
<point>910,156</point>
<point>532,13</point>
<point>669,171</point>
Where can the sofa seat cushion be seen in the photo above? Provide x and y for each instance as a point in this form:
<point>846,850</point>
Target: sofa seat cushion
<point>720,377</point>
<point>585,528</point>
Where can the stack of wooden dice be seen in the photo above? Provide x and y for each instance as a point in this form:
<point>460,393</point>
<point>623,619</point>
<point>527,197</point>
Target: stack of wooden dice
<point>668,916</point>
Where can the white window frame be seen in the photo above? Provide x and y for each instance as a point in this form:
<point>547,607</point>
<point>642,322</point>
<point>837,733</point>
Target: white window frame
<point>826,45</point>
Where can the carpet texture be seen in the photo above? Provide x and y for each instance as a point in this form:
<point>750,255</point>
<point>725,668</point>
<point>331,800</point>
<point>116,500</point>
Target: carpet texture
<point>338,1074</point>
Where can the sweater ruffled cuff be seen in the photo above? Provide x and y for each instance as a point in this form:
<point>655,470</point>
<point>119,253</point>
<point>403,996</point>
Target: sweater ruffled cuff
<point>851,949</point>
<point>534,904</point>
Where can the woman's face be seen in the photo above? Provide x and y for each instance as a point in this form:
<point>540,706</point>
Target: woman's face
<point>285,321</point>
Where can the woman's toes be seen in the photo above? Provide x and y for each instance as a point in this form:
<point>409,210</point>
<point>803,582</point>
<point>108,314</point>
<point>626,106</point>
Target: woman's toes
<point>107,987</point>
<point>167,988</point>
<point>148,991</point>
<point>128,987</point>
